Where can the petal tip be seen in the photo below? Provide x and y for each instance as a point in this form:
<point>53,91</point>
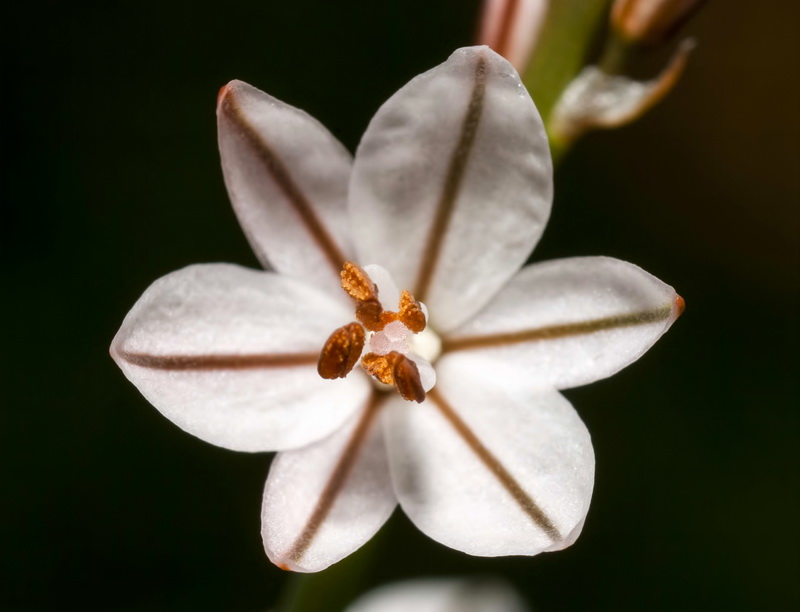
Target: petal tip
<point>284,561</point>
<point>678,306</point>
<point>288,565</point>
<point>228,90</point>
<point>474,53</point>
<point>223,91</point>
<point>115,351</point>
<point>279,561</point>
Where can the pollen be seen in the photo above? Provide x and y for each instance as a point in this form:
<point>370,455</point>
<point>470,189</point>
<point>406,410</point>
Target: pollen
<point>387,332</point>
<point>357,283</point>
<point>410,313</point>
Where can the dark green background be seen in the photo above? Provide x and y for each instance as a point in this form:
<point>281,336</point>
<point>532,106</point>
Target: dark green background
<point>110,179</point>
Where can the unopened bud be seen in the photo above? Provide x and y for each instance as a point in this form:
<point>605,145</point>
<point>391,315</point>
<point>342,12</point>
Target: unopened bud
<point>651,21</point>
<point>595,99</point>
<point>511,28</point>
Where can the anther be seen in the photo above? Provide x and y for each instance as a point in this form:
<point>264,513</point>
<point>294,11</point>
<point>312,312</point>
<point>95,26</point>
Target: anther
<point>371,314</point>
<point>386,361</point>
<point>410,313</point>
<point>357,283</point>
<point>396,369</point>
<point>406,379</point>
<point>379,367</point>
<point>341,351</point>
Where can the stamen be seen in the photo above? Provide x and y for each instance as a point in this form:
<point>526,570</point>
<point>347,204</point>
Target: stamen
<point>371,314</point>
<point>396,369</point>
<point>389,338</point>
<point>406,379</point>
<point>357,283</point>
<point>379,367</point>
<point>369,310</point>
<point>341,351</point>
<point>410,313</point>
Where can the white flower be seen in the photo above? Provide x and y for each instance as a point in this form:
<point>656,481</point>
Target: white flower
<point>449,192</point>
<point>441,595</point>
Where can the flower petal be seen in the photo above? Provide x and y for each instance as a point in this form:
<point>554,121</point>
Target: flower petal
<point>491,470</point>
<point>324,501</point>
<point>566,322</point>
<point>230,355</point>
<point>452,184</point>
<point>441,595</point>
<point>287,177</point>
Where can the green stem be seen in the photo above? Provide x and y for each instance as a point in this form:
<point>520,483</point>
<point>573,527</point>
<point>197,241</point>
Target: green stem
<point>569,30</point>
<point>616,54</point>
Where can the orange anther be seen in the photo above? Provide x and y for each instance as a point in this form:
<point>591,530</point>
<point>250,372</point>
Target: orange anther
<point>396,369</point>
<point>357,283</point>
<point>341,351</point>
<point>406,379</point>
<point>410,313</point>
<point>371,314</point>
<point>345,345</point>
<point>379,366</point>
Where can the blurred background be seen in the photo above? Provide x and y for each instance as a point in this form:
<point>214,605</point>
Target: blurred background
<point>111,178</point>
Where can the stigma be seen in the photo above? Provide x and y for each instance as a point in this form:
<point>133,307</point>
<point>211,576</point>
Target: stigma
<point>382,340</point>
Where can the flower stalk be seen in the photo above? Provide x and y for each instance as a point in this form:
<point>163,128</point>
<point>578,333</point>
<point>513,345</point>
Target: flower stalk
<point>574,91</point>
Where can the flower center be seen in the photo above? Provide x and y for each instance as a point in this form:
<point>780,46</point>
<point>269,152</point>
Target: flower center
<point>399,345</point>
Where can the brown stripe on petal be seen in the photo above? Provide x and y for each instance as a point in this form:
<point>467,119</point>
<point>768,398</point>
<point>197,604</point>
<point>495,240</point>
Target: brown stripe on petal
<point>555,332</point>
<point>280,174</point>
<point>337,480</point>
<point>219,362</point>
<point>498,470</point>
<point>453,180</point>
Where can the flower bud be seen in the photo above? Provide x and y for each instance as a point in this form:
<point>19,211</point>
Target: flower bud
<point>651,21</point>
<point>511,28</point>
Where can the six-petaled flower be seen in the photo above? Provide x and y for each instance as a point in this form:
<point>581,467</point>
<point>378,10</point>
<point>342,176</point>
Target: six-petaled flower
<point>427,229</point>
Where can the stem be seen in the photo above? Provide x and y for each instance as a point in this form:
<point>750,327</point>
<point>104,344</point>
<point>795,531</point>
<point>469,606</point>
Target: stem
<point>562,49</point>
<point>616,54</point>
